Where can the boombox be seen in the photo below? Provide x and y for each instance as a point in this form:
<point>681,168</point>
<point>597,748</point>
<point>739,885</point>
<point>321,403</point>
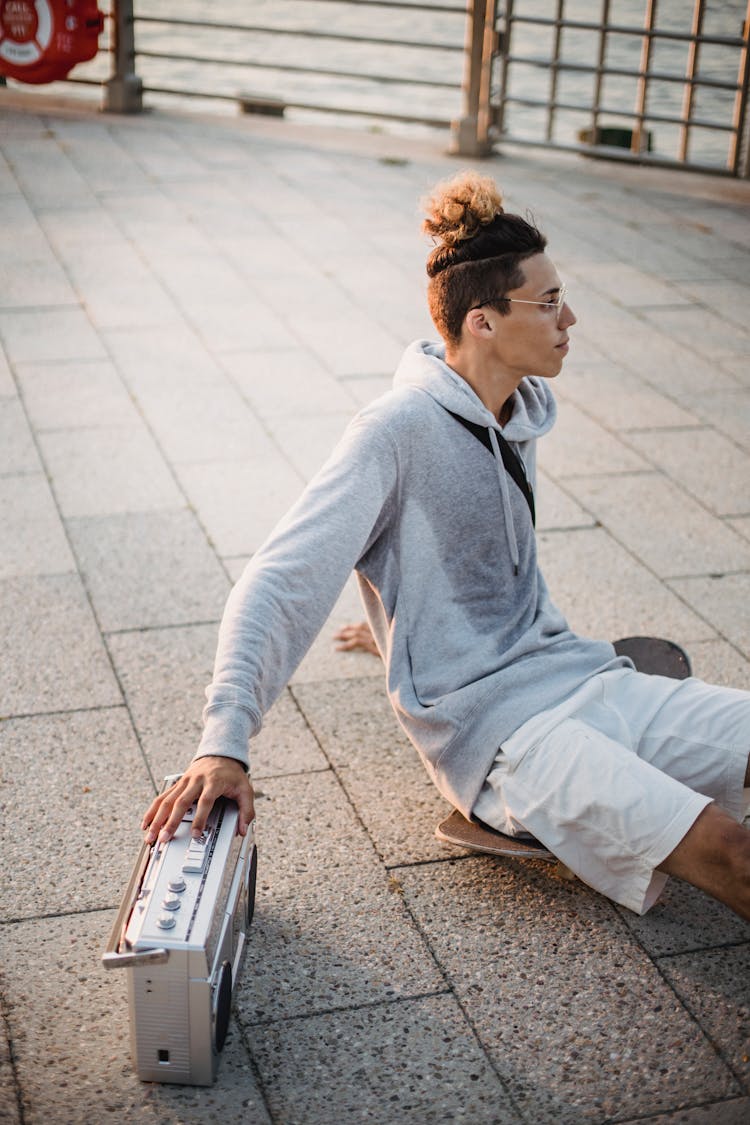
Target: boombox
<point>180,933</point>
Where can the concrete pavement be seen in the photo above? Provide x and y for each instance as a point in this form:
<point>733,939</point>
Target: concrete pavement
<point>190,311</point>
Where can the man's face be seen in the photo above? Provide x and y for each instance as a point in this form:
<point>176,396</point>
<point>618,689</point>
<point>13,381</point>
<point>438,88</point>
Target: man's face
<point>532,339</point>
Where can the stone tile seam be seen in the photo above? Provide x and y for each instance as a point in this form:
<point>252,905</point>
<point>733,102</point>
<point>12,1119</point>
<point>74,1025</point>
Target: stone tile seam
<point>102,707</point>
<point>170,625</point>
<point>702,949</point>
<point>16,1079</point>
<point>82,913</point>
<point>666,1114</point>
<point>335,1009</point>
<point>685,1005</point>
<point>677,482</point>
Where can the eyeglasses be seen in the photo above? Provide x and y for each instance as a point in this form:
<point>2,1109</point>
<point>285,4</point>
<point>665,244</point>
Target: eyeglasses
<point>557,304</point>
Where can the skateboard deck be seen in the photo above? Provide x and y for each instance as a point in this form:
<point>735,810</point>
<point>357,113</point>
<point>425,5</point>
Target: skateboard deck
<point>478,837</point>
<point>652,655</point>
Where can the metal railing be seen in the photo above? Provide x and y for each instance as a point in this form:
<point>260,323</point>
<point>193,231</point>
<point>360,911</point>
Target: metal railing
<point>672,90</point>
<point>678,84</point>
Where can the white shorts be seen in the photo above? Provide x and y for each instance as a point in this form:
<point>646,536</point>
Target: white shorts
<point>612,779</point>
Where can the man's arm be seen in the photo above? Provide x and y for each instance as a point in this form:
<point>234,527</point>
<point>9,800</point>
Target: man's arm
<point>273,614</point>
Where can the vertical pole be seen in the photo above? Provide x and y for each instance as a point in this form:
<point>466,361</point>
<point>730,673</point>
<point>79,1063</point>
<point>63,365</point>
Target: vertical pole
<point>554,70</point>
<point>637,145</point>
<point>738,159</point>
<point>124,90</point>
<point>504,48</point>
<point>470,135</point>
<point>600,65</point>
<point>689,88</point>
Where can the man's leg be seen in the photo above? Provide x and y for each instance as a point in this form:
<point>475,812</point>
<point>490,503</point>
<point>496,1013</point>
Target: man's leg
<point>714,855</point>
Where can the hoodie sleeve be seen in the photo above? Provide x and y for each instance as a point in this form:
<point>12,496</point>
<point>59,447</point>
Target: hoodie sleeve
<point>289,588</point>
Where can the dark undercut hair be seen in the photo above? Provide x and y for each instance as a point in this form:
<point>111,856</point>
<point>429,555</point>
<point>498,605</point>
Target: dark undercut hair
<point>478,254</point>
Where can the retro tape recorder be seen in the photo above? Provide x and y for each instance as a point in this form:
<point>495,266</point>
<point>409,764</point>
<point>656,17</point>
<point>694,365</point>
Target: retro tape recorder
<point>181,932</point>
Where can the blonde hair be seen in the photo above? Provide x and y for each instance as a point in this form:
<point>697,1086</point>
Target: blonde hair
<point>478,250</point>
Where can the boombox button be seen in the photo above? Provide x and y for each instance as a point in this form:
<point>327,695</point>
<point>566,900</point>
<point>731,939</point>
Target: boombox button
<point>177,885</point>
<point>171,902</point>
<point>166,921</point>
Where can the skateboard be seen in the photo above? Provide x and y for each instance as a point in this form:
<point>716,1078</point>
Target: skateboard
<point>652,655</point>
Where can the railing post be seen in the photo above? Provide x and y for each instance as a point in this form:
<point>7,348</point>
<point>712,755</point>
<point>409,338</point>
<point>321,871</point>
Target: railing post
<point>470,135</point>
<point>124,90</point>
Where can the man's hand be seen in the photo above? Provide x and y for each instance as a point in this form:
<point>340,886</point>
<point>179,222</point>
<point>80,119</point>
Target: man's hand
<point>356,638</point>
<point>205,780</point>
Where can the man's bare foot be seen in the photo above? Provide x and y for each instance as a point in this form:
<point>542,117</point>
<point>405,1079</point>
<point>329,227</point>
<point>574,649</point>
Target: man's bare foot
<point>356,638</point>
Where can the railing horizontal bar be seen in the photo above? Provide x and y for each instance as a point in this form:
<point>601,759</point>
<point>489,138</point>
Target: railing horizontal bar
<point>622,72</point>
<point>623,155</point>
<point>288,67</point>
<point>631,115</point>
<point>622,29</point>
<point>433,8</point>
<point>332,36</point>
<point>410,119</point>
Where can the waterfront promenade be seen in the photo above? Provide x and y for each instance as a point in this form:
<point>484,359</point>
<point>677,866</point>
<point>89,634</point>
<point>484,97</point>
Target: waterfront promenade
<point>190,311</point>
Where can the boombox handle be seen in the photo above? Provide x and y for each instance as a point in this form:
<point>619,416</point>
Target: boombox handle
<point>112,958</point>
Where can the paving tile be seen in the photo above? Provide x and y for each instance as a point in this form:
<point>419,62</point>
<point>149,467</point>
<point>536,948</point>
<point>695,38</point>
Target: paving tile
<point>633,507</point>
<point>360,735</point>
<point>170,356</point>
<point>706,464</point>
<point>684,920</point>
<point>73,394</point>
<point>149,569</point>
<point>722,600</point>
<point>741,525</point>
<point>578,444</point>
<point>338,343</point>
<point>572,1013</point>
<point>33,539</point>
<point>604,592</point>
<point>719,663</point>
<point>670,367</point>
<point>44,172</point>
<point>279,384</point>
<point>60,768</point>
<point>727,299</point>
<point>714,986</point>
<point>329,929</point>
<point>631,286</point>
<point>308,442</point>
<point>207,422</point>
<point>108,470</point>
<point>51,655</point>
<point>618,400</point>
<point>17,450</point>
<point>734,1111</point>
<point>43,335</point>
<point>555,509</point>
<point>698,328</point>
<point>737,365</point>
<point>240,502</point>
<point>728,412</point>
<point>164,673</point>
<point>87,1074</point>
<point>8,1089</point>
<point>33,282</point>
<point>415,1062</point>
<point>118,290</point>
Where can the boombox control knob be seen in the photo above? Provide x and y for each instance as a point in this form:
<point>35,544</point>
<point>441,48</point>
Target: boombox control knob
<point>177,885</point>
<point>171,902</point>
<point>166,921</point>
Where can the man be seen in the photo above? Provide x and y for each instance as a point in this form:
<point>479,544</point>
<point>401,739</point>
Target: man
<point>625,778</point>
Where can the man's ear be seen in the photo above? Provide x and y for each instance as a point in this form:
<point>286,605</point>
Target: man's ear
<point>477,324</point>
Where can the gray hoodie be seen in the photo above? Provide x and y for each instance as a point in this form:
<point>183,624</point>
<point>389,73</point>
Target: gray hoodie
<point>443,545</point>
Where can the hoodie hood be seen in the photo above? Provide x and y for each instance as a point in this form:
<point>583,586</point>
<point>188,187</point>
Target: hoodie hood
<point>423,366</point>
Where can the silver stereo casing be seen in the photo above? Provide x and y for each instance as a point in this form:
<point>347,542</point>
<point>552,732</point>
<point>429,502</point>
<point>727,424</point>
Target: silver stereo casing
<point>180,933</point>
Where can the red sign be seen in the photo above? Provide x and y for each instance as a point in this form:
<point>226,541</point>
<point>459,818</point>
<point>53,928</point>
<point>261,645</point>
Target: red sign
<point>42,40</point>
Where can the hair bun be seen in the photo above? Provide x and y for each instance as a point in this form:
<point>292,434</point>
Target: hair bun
<point>458,207</point>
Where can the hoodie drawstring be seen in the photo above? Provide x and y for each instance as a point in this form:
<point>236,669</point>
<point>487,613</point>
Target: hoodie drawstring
<point>510,530</point>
